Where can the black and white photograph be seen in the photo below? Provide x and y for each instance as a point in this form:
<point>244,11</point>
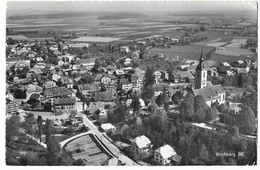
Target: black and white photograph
<point>130,83</point>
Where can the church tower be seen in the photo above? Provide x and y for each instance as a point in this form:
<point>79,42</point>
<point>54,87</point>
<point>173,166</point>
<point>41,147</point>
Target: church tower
<point>201,74</point>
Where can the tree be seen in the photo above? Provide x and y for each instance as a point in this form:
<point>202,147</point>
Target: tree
<point>147,93</point>
<point>135,104</point>
<point>176,97</point>
<point>234,131</point>
<point>149,76</point>
<point>244,80</point>
<point>32,158</point>
<point>53,155</point>
<point>48,130</point>
<point>79,162</point>
<point>39,124</point>
<point>161,98</point>
<point>11,127</point>
<point>187,107</point>
<point>202,28</point>
<point>211,114</point>
<point>246,120</point>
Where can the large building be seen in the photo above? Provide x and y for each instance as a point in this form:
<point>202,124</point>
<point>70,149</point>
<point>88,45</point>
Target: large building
<point>210,93</point>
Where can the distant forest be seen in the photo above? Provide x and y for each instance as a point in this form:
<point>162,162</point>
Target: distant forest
<point>101,15</point>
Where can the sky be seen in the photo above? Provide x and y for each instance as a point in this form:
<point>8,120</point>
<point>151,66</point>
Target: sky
<point>170,6</point>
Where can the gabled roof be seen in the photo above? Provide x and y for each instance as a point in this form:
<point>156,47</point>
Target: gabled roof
<point>11,107</point>
<point>166,151</point>
<point>103,96</point>
<point>107,126</point>
<point>124,81</point>
<point>141,141</point>
<point>35,96</point>
<point>86,61</point>
<point>242,70</point>
<point>182,74</point>
<point>46,69</point>
<point>209,92</point>
<point>57,91</point>
<point>98,77</point>
<point>161,86</point>
<point>65,101</point>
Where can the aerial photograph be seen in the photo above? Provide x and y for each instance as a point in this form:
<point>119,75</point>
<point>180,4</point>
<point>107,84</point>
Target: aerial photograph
<point>120,83</point>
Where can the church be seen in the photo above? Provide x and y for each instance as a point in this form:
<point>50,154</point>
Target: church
<point>211,93</point>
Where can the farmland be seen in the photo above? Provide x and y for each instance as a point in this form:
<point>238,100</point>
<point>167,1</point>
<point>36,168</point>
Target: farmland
<point>127,29</point>
<point>185,52</point>
<point>95,39</point>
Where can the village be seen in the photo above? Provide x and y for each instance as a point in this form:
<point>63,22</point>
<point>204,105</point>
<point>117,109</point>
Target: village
<point>92,101</point>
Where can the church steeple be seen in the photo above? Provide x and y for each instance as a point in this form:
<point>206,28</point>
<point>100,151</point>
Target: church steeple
<point>200,65</point>
<point>201,73</point>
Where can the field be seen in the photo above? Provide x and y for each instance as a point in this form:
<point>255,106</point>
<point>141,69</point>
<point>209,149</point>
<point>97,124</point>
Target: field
<point>126,29</point>
<point>95,39</point>
<point>184,52</point>
<point>85,148</point>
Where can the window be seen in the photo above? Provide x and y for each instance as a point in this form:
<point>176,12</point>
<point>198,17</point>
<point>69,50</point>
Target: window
<point>204,74</point>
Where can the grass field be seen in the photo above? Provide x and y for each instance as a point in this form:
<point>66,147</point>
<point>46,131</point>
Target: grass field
<point>184,52</point>
<point>95,39</point>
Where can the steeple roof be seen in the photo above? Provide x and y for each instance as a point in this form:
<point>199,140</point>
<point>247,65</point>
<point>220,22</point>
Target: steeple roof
<point>201,65</point>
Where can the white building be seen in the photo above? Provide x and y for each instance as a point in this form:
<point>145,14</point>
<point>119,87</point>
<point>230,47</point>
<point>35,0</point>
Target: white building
<point>164,154</point>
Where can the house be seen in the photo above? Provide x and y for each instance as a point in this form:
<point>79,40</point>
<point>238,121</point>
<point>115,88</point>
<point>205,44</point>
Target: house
<point>67,82</point>
<point>105,96</point>
<point>107,80</point>
<point>226,64</point>
<point>242,70</point>
<point>46,69</point>
<point>157,74</point>
<point>64,103</point>
<point>49,84</point>
<point>136,54</point>
<point>9,96</point>
<point>224,70</point>
<point>213,72</point>
<point>56,77</point>
<point>56,52</point>
<point>119,72</point>
<point>108,127</point>
<point>60,62</point>
<point>22,64</point>
<point>140,146</point>
<point>88,63</point>
<point>159,87</point>
<point>57,92</point>
<point>127,61</point>
<point>34,99</point>
<point>211,94</point>
<point>79,45</point>
<point>125,84</point>
<point>181,76</point>
<point>11,107</point>
<point>129,102</point>
<point>88,89</point>
<point>33,88</point>
<point>164,155</point>
<point>124,49</point>
<point>94,106</point>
